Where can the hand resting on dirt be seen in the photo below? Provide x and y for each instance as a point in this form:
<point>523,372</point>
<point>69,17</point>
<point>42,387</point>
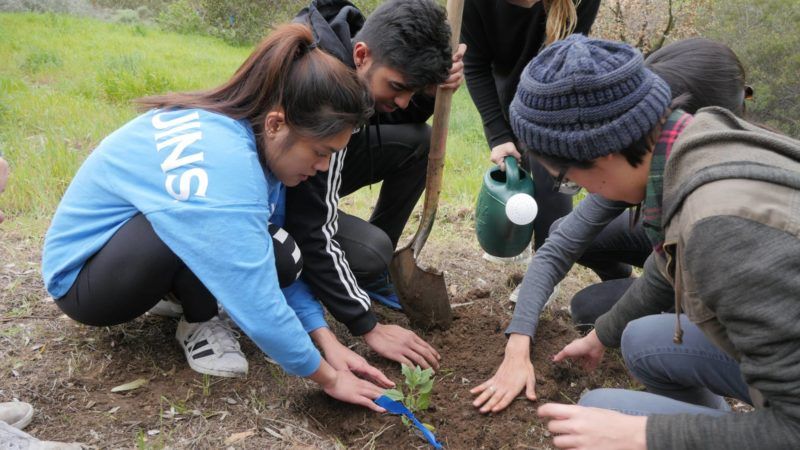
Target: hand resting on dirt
<point>499,153</point>
<point>343,385</point>
<point>401,345</point>
<point>514,375</point>
<point>588,350</point>
<point>579,427</point>
<point>342,358</point>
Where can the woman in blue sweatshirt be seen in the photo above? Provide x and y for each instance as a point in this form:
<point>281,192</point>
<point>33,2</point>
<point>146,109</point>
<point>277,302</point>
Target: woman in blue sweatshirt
<point>177,202</point>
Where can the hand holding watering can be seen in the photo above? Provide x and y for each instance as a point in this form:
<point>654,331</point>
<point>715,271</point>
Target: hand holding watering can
<point>505,210</point>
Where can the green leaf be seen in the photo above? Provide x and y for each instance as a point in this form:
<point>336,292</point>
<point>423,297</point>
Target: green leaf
<point>412,380</point>
<point>425,375</point>
<point>426,387</point>
<point>429,426</point>
<point>406,371</point>
<point>394,394</point>
<point>423,402</point>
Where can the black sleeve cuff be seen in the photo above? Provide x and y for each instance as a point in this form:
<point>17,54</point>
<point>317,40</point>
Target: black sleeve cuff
<point>362,324</point>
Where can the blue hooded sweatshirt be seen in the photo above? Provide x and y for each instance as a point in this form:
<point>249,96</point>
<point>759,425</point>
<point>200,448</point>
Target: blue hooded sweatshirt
<point>196,176</point>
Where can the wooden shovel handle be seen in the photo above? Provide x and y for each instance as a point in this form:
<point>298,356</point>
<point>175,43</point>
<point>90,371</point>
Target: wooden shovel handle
<point>438,147</point>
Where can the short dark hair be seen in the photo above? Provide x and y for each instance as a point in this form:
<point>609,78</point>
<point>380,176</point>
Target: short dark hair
<point>412,37</point>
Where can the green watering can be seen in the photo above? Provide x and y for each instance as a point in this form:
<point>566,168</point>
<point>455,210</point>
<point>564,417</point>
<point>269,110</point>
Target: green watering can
<point>505,210</point>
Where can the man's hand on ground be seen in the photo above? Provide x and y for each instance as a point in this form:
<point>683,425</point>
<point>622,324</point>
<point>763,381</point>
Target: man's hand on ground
<point>401,345</point>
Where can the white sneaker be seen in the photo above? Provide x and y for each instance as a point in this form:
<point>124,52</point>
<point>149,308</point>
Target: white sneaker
<point>514,296</point>
<point>170,306</point>
<point>16,414</point>
<point>211,348</point>
<point>167,308</point>
<point>13,438</point>
<point>522,258</point>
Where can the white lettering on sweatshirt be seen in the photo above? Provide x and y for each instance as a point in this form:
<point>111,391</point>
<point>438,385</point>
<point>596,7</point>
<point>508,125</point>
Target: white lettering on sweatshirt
<point>178,137</point>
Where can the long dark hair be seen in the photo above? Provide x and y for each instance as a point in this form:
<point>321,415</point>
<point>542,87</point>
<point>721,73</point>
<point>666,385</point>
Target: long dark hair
<point>320,96</point>
<point>709,71</point>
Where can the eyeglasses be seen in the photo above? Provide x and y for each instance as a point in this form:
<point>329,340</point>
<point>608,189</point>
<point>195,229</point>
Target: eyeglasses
<point>563,186</point>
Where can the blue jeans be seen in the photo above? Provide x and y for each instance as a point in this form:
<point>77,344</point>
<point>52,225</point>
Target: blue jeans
<point>690,377</point>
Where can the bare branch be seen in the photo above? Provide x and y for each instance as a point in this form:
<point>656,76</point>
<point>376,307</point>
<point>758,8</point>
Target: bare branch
<point>667,29</point>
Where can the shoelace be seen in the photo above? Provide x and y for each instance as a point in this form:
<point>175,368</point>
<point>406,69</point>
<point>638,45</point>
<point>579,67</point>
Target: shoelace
<point>221,336</point>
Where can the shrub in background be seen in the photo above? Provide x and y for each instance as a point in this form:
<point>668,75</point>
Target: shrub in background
<point>764,33</point>
<point>129,77</point>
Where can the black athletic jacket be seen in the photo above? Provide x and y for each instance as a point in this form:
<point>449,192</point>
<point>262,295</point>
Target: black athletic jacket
<point>311,207</point>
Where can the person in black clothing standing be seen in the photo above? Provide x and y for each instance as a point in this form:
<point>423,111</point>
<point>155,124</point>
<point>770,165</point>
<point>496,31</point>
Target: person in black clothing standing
<point>502,37</point>
<point>402,53</point>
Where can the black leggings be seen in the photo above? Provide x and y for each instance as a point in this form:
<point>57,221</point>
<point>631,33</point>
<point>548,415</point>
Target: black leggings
<point>135,269</point>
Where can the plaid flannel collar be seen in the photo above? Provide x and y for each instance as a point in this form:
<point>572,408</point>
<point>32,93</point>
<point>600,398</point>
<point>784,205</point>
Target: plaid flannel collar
<point>651,211</point>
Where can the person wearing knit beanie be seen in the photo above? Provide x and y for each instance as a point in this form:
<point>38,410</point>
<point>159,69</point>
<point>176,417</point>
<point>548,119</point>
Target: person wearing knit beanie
<point>718,197</point>
<point>584,102</point>
<point>583,98</point>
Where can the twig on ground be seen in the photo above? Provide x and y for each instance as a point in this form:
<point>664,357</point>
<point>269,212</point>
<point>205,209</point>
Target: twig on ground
<point>12,319</point>
<point>567,397</point>
<point>456,305</point>
<point>294,426</point>
<point>373,437</point>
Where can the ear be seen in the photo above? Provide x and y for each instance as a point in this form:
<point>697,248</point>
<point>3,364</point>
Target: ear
<point>362,55</point>
<point>274,121</point>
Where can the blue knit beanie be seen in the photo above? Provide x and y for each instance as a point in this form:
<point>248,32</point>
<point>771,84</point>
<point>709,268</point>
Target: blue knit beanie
<point>583,98</point>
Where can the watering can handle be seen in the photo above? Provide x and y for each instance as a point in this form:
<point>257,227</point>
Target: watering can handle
<point>512,171</point>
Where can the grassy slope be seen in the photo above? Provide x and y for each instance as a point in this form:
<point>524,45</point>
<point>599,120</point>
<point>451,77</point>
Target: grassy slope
<point>66,82</point>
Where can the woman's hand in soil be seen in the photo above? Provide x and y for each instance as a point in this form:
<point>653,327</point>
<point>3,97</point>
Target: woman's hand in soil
<point>343,385</point>
<point>588,350</point>
<point>514,374</point>
<point>579,427</point>
<point>342,358</point>
<point>401,345</point>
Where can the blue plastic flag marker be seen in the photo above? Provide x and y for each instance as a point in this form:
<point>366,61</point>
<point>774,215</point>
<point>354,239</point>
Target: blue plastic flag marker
<point>396,407</point>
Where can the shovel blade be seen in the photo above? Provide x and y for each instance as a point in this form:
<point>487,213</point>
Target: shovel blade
<point>423,293</point>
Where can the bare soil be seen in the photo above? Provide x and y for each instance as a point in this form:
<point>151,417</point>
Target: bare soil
<point>67,370</point>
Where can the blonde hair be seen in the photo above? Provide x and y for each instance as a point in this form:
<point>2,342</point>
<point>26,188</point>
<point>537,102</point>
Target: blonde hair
<point>562,18</point>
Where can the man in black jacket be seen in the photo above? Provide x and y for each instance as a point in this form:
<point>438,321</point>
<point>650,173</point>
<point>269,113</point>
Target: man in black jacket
<point>402,53</point>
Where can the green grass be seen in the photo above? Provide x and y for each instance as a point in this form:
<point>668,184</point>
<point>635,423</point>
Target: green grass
<point>67,82</point>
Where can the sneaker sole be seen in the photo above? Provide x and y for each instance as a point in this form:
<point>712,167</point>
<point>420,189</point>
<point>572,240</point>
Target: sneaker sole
<point>206,371</point>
